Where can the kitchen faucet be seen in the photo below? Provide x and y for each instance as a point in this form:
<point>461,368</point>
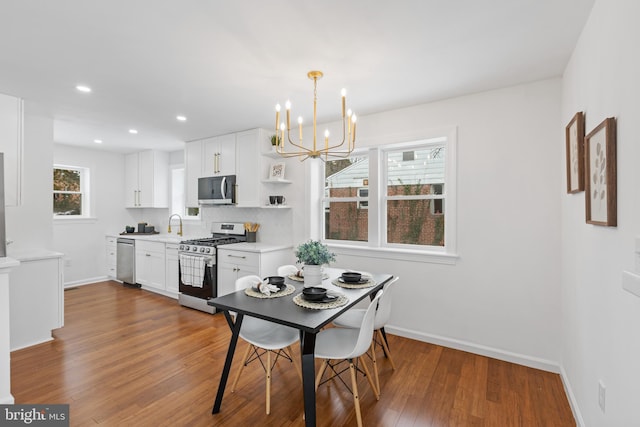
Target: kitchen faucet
<point>169,230</point>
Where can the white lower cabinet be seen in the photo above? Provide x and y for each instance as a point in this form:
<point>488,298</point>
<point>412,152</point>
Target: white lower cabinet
<point>150,264</point>
<point>111,247</point>
<point>172,272</point>
<point>236,263</point>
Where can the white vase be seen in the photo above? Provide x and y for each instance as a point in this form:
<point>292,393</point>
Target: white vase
<point>312,275</point>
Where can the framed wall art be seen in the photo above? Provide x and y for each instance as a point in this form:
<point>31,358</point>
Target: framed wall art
<point>276,171</point>
<point>600,172</point>
<point>574,136</point>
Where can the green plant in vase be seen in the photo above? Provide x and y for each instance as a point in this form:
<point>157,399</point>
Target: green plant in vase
<point>313,255</point>
<point>275,140</point>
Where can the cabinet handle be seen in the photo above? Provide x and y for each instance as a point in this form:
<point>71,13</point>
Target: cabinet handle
<point>236,256</point>
<point>147,254</point>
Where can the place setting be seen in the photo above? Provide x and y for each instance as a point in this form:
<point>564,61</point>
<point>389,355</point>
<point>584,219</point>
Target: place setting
<point>270,287</point>
<point>317,298</point>
<point>354,280</point>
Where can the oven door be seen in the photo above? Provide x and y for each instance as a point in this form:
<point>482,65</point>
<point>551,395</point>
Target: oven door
<point>209,282</point>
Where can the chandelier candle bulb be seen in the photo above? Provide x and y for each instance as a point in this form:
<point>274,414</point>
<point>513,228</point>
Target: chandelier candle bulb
<point>343,92</point>
<point>288,107</point>
<point>277,115</point>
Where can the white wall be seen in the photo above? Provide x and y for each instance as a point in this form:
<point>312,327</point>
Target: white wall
<point>600,340</point>
<point>83,241</point>
<point>29,225</point>
<point>502,296</point>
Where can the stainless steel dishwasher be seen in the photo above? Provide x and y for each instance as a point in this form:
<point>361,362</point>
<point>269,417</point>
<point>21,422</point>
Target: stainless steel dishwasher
<point>126,265</point>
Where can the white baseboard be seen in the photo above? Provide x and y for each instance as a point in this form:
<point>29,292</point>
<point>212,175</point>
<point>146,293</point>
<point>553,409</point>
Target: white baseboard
<point>577,415</point>
<point>87,281</point>
<point>520,359</point>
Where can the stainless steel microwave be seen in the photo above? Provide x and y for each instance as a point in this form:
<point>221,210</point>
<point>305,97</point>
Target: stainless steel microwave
<point>217,190</point>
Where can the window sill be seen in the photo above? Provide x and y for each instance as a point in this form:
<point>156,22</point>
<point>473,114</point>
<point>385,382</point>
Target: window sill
<point>396,254</point>
<point>71,220</point>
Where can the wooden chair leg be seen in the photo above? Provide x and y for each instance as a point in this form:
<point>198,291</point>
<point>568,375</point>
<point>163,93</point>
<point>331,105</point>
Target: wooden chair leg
<point>375,365</point>
<point>386,349</point>
<point>356,397</point>
<point>295,363</point>
<point>244,362</point>
<point>268,369</point>
<point>321,372</point>
<point>366,371</point>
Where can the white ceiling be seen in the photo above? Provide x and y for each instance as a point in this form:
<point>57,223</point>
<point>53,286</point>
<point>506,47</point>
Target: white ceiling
<point>225,65</point>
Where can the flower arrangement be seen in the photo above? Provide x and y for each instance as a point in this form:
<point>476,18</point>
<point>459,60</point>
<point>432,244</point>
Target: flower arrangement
<point>314,253</point>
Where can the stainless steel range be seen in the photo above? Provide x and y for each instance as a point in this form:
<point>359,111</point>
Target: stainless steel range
<point>198,264</point>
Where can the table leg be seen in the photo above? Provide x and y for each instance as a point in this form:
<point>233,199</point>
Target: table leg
<point>307,345</point>
<point>227,363</point>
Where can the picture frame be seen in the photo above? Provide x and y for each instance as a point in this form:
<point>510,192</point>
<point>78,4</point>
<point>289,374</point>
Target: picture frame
<point>574,139</point>
<point>276,171</point>
<point>601,172</point>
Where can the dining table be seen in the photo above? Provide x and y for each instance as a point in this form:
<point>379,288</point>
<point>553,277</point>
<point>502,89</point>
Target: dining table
<point>284,311</point>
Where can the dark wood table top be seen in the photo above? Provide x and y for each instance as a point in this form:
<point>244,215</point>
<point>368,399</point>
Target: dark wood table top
<point>284,311</point>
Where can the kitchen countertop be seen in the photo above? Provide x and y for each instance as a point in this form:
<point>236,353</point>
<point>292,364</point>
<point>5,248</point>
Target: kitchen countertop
<point>163,238</point>
<point>255,247</point>
<point>33,254</point>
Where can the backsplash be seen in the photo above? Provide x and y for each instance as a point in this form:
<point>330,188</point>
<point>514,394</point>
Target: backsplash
<point>275,223</point>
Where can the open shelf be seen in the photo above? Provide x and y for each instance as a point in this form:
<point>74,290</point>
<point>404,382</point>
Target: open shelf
<point>277,181</point>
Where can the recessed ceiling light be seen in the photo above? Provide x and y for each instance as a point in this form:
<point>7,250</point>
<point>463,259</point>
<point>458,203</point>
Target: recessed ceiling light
<point>133,131</point>
<point>83,88</point>
<point>97,141</point>
<point>181,118</point>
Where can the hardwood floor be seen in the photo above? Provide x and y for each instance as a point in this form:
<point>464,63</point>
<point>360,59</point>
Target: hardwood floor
<point>130,357</point>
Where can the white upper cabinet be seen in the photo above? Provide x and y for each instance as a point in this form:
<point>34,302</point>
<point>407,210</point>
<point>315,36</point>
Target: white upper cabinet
<point>192,171</point>
<point>248,166</point>
<point>147,180</point>
<point>219,155</point>
<point>11,114</point>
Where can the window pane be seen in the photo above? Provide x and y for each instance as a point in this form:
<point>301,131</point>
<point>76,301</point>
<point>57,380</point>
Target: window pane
<point>345,176</point>
<point>345,221</point>
<point>412,222</point>
<point>412,172</point>
<point>66,180</point>
<point>67,204</point>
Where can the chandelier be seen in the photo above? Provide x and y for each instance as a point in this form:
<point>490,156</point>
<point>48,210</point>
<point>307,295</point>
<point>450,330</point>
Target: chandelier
<point>300,150</point>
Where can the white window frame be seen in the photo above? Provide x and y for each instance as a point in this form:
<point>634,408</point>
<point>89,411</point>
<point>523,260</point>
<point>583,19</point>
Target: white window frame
<point>182,208</point>
<point>376,246</point>
<point>85,186</point>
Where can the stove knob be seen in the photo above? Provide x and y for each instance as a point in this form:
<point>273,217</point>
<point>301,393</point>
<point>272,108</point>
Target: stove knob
<point>181,247</point>
<point>194,249</point>
<point>208,250</point>
<point>202,250</point>
<point>186,248</point>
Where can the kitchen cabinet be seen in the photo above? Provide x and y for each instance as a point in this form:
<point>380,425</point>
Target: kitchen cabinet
<point>192,171</point>
<point>171,268</point>
<point>150,264</point>
<point>248,176</point>
<point>219,155</point>
<point>147,179</point>
<point>36,297</point>
<point>246,259</point>
<point>111,247</point>
<point>11,116</point>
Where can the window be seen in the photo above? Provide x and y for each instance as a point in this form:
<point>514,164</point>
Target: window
<point>178,196</point>
<point>414,196</point>
<point>70,191</point>
<point>393,197</point>
<point>344,217</point>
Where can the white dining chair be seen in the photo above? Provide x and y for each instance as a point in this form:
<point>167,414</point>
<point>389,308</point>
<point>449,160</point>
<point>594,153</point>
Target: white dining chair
<point>352,319</point>
<point>349,344</point>
<point>287,270</point>
<point>264,338</point>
